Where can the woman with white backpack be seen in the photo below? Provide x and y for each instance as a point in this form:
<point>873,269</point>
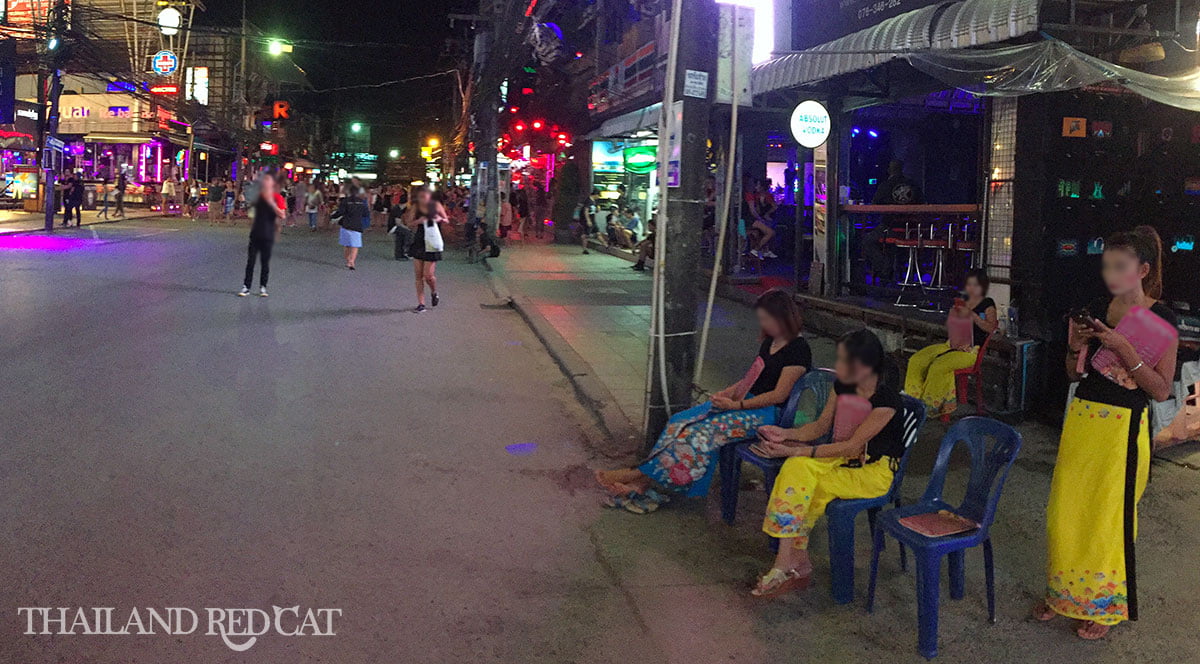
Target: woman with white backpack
<point>425,217</point>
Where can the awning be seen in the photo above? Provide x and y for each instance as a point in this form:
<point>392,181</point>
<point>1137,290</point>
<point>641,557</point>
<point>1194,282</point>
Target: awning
<point>119,137</point>
<point>958,25</point>
<point>627,124</point>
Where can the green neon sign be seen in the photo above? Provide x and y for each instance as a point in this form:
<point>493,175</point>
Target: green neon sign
<point>642,159</point>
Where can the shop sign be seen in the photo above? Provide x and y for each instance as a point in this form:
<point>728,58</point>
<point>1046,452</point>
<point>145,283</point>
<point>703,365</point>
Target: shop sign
<point>28,113</point>
<point>164,89</point>
<point>810,124</point>
<point>641,160</point>
<point>164,63</point>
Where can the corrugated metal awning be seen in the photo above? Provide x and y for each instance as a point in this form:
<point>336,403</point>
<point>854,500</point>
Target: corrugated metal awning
<point>958,25</point>
<point>627,124</point>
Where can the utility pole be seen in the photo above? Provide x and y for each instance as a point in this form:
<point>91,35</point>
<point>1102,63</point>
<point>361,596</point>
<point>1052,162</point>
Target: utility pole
<point>683,146</point>
<point>56,47</point>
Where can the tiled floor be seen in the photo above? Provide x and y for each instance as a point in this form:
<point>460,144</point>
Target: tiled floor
<point>602,308</point>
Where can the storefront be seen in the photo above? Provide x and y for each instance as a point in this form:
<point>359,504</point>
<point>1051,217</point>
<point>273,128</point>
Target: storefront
<point>18,155</point>
<point>1048,152</point>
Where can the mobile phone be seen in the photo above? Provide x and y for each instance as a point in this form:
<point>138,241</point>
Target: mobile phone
<point>1082,317</point>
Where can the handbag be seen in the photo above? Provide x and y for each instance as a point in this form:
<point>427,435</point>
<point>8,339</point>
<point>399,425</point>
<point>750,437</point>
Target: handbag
<point>850,412</point>
<point>433,237</point>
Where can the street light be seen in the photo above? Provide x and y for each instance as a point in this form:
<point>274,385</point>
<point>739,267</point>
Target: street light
<point>169,21</point>
<point>434,142</point>
<point>278,47</point>
<point>356,127</point>
<point>394,153</point>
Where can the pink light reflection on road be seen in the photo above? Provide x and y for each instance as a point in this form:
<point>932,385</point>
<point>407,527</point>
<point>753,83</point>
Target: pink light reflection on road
<point>43,243</point>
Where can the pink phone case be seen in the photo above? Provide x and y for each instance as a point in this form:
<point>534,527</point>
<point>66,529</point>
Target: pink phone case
<point>961,331</point>
<point>1150,335</point>
<point>850,412</point>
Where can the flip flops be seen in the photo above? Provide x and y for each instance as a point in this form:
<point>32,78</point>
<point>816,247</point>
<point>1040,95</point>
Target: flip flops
<point>637,503</point>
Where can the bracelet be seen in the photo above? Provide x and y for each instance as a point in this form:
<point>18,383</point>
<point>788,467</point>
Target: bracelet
<point>1139,366</point>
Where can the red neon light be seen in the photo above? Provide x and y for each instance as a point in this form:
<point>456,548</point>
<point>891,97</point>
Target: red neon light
<point>537,124</point>
<point>530,8</point>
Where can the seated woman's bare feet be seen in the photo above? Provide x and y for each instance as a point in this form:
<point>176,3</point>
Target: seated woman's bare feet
<point>1092,631</point>
<point>623,481</point>
<point>1042,612</point>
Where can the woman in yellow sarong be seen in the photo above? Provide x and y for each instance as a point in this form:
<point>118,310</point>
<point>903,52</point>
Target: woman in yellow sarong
<point>1104,453</point>
<point>863,412</point>
<point>930,375</point>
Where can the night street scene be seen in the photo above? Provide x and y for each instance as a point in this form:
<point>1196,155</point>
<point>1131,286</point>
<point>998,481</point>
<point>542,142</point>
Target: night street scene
<point>599,331</point>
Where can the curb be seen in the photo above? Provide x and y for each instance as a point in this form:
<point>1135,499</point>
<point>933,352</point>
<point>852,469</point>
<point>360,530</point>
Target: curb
<point>592,392</point>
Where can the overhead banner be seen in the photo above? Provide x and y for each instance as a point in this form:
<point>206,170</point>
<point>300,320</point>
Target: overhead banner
<point>838,18</point>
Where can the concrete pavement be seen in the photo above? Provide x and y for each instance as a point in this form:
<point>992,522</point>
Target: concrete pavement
<point>166,444</point>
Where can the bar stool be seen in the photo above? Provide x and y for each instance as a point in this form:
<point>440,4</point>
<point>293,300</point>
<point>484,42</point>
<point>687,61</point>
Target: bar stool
<point>913,269</point>
<point>937,277</point>
<point>968,245</point>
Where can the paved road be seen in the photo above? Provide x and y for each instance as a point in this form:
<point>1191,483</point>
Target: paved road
<point>165,444</point>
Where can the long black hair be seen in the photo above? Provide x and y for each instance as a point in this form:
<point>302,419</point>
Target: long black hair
<point>864,347</point>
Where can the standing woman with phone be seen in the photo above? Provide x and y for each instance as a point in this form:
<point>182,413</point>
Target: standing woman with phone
<point>1103,459</point>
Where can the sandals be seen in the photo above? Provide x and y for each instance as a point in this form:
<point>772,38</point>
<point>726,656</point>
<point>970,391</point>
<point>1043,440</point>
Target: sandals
<point>1043,613</point>
<point>779,582</point>
<point>1092,631</point>
<point>636,503</point>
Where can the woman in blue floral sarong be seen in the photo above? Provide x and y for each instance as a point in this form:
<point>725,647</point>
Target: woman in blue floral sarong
<point>684,458</point>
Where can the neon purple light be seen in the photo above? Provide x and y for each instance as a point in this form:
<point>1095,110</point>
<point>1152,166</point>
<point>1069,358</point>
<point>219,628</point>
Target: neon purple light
<point>44,243</point>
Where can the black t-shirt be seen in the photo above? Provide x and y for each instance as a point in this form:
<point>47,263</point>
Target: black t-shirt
<point>889,442</point>
<point>795,354</point>
<point>981,309</point>
<point>1094,386</point>
<point>898,190</point>
<point>263,227</point>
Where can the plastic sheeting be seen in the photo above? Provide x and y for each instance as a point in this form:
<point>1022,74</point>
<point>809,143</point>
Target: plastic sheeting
<point>1049,66</point>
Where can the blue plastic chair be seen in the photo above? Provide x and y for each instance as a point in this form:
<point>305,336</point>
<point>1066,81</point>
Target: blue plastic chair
<point>841,513</point>
<point>820,381</point>
<point>990,463</point>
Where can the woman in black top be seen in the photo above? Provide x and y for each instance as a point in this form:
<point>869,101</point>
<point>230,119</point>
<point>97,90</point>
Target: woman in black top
<point>424,211</point>
<point>859,466</point>
<point>268,221</point>
<point>930,375</point>
<point>1103,459</point>
<point>683,459</point>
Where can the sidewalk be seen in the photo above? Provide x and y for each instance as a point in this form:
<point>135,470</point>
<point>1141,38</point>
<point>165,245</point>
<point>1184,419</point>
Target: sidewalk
<point>601,308</point>
<point>18,221</point>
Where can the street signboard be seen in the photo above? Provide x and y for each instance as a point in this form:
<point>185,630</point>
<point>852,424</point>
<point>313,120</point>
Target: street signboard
<point>164,63</point>
<point>55,143</point>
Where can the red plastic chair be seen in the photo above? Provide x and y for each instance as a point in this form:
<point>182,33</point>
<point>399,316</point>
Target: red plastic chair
<point>962,379</point>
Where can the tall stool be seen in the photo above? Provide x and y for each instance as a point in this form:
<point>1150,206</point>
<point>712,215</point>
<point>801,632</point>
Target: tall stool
<point>912,271</point>
<point>937,277</point>
<point>966,245</point>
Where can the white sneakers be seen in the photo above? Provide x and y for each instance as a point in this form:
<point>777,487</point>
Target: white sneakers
<point>244,292</point>
<point>262,291</point>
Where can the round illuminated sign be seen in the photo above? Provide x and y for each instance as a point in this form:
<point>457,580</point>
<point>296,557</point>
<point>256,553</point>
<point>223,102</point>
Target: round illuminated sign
<point>169,21</point>
<point>810,124</point>
<point>164,63</point>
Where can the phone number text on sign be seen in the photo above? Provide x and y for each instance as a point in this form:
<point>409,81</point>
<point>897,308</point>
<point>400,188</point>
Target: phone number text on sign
<point>877,7</point>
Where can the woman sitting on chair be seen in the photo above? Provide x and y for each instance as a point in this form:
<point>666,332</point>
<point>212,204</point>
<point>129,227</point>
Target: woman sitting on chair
<point>683,459</point>
<point>930,375</point>
<point>864,415</point>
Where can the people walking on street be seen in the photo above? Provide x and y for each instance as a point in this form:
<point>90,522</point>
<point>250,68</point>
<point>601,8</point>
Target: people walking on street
<point>351,216</point>
<point>168,195</point>
<point>122,185</point>
<point>587,219</point>
<point>1103,462</point>
<point>403,234</point>
<point>686,453</point>
<point>193,201</point>
<point>424,217</point>
<point>313,200</point>
<point>104,196</point>
<point>68,186</point>
<point>231,195</point>
<point>216,198</point>
<point>506,216</point>
<point>264,231</point>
